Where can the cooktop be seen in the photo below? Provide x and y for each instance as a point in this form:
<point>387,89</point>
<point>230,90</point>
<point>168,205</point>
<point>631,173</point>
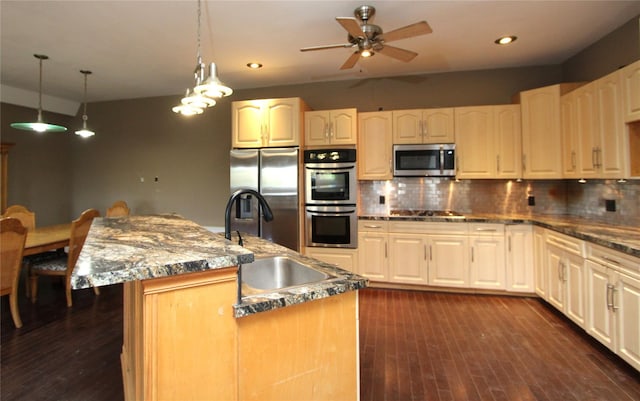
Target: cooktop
<point>425,213</point>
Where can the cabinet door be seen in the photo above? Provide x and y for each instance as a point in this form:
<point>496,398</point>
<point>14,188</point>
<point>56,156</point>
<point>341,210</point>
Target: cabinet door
<point>316,128</point>
<point>247,125</point>
<point>556,274</point>
<point>346,259</point>
<point>631,91</point>
<point>282,118</point>
<point>344,127</point>
<point>372,255</point>
<point>586,123</point>
<point>573,276</point>
<point>541,144</point>
<point>541,279</point>
<point>374,143</point>
<point>613,153</point>
<point>487,262</point>
<point>476,155</point>
<point>569,136</point>
<point>407,126</point>
<point>627,302</point>
<point>448,261</point>
<point>407,258</point>
<point>438,125</point>
<point>600,318</point>
<point>508,141</point>
<point>519,258</point>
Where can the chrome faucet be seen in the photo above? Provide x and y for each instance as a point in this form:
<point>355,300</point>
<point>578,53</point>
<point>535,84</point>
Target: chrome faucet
<point>266,210</point>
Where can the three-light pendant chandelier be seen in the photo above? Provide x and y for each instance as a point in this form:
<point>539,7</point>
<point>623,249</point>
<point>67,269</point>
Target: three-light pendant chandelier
<point>207,89</point>
<point>39,125</point>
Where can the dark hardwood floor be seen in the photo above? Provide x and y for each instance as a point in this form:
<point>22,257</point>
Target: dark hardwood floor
<point>414,346</point>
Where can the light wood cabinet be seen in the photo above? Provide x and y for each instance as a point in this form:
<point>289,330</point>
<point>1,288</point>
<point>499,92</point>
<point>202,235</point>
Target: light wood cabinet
<point>373,252</point>
<point>346,259</point>
<point>601,317</point>
<point>331,127</point>
<point>267,122</point>
<point>541,136</point>
<point>488,141</point>
<point>541,282</point>
<point>630,77</point>
<point>487,256</point>
<point>519,258</point>
<point>586,121</point>
<point>565,267</point>
<point>374,146</point>
<point>570,141</point>
<point>449,260</point>
<point>407,258</point>
<point>423,126</point>
<point>612,134</point>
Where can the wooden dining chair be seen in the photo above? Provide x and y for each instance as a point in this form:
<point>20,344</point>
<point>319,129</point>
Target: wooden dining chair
<point>63,266</point>
<point>118,209</point>
<point>12,238</point>
<point>26,217</point>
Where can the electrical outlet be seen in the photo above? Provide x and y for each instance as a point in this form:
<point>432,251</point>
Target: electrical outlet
<point>381,200</point>
<point>610,205</point>
<point>531,200</point>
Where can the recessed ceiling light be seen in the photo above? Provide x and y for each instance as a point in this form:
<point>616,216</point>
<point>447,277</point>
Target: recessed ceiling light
<point>254,66</point>
<point>505,40</point>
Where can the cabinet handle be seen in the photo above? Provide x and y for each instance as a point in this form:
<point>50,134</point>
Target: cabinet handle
<point>430,253</point>
<point>371,226</point>
<point>609,296</point>
<point>599,157</point>
<point>425,131</point>
<point>385,250</point>
<point>509,243</point>
<point>608,259</point>
<point>486,230</point>
<point>472,255</point>
<point>613,298</point>
<point>326,131</point>
<point>594,156</point>
<point>573,160</point>
<point>425,252</point>
<point>330,129</point>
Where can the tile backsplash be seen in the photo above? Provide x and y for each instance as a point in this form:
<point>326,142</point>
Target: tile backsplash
<point>506,197</point>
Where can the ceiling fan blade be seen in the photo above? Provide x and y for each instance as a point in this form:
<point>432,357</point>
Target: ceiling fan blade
<point>397,53</point>
<point>351,25</point>
<point>323,47</point>
<point>351,61</point>
<point>409,31</point>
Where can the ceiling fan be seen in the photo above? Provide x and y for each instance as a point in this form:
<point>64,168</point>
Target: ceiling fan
<point>370,39</point>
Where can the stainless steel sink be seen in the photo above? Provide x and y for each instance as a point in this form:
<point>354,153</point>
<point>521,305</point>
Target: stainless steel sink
<point>277,272</point>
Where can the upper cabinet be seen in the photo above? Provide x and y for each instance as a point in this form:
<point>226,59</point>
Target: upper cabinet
<point>423,126</point>
<point>267,122</point>
<point>331,127</point>
<point>488,141</point>
<point>374,146</point>
<point>541,125</point>
<point>630,76</point>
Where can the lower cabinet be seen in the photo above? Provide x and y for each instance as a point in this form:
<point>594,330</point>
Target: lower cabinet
<point>541,283</point>
<point>487,264</point>
<point>519,258</point>
<point>407,258</point>
<point>373,253</point>
<point>344,258</point>
<point>613,306</point>
<point>565,271</point>
<point>449,260</point>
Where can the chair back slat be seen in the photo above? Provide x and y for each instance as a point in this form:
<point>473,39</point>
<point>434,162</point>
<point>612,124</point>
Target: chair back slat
<point>12,238</point>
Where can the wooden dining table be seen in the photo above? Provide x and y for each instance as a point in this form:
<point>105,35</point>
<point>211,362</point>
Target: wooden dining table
<point>47,238</point>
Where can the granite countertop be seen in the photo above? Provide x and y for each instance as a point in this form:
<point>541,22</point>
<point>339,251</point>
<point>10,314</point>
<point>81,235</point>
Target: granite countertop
<point>621,238</point>
<point>143,247</point>
<point>341,281</point>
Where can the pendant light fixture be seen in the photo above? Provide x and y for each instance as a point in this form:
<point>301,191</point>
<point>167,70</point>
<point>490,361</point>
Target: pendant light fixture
<point>39,125</point>
<point>206,90</point>
<point>85,132</point>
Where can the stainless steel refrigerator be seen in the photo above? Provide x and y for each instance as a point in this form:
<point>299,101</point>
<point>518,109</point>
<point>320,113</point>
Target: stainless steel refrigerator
<point>273,172</point>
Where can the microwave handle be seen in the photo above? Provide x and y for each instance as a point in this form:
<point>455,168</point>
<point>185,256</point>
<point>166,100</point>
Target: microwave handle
<point>441,159</point>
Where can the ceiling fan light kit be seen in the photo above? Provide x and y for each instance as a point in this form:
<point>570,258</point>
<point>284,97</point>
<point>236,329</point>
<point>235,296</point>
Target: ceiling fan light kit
<point>207,88</point>
<point>369,39</point>
<point>39,125</point>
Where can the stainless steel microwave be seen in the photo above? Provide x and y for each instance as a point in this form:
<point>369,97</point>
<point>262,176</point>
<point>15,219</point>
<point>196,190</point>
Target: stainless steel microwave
<point>424,160</point>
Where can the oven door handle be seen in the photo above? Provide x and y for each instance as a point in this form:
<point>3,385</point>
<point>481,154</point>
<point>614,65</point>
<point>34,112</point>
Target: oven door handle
<point>329,168</point>
<point>317,212</point>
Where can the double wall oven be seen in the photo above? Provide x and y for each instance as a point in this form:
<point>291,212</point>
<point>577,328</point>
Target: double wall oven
<point>330,198</point>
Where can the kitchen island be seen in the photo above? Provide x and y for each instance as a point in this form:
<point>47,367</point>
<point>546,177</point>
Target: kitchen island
<point>187,337</point>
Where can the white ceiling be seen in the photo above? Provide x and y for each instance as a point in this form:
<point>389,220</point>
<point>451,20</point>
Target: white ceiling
<point>148,48</point>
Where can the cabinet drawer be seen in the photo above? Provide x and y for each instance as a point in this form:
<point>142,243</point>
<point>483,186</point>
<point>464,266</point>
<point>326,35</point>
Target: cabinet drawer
<point>486,229</point>
<point>614,259</point>
<point>570,244</point>
<point>423,227</point>
<point>373,225</point>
